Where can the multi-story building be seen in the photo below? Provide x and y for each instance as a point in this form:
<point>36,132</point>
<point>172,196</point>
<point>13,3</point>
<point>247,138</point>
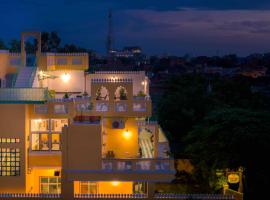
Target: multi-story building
<point>76,135</point>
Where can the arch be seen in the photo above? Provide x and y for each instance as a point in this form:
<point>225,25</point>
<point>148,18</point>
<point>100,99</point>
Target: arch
<point>120,93</point>
<point>102,94</point>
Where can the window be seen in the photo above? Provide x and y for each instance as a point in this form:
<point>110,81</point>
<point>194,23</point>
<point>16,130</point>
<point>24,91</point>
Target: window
<point>55,142</point>
<point>76,61</point>
<point>9,162</point>
<point>50,185</point>
<point>60,109</point>
<point>40,142</point>
<point>61,61</point>
<point>41,109</point>
<point>87,187</point>
<point>9,140</point>
<point>58,124</point>
<point>46,139</point>
<point>39,125</point>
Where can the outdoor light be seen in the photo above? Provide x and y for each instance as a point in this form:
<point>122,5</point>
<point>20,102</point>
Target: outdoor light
<point>127,134</point>
<point>65,77</point>
<point>115,183</point>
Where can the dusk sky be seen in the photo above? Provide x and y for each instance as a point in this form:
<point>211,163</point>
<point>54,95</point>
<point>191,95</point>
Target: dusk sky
<point>176,27</point>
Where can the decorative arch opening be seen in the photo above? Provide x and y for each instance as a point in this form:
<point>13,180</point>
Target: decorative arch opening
<point>120,93</point>
<point>102,94</point>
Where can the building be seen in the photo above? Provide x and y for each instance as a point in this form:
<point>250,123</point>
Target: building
<point>69,134</point>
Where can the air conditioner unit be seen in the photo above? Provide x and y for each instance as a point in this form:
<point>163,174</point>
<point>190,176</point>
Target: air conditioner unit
<point>118,124</point>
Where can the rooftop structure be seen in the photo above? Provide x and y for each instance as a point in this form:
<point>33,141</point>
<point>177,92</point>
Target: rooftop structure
<point>68,134</point>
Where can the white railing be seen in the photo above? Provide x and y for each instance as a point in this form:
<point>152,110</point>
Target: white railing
<point>111,80</point>
<point>194,196</point>
<point>139,165</point>
<point>119,72</point>
<point>29,195</point>
<point>111,196</point>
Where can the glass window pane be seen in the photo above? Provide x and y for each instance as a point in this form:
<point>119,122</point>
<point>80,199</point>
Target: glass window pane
<point>58,124</point>
<point>56,142</point>
<point>39,125</point>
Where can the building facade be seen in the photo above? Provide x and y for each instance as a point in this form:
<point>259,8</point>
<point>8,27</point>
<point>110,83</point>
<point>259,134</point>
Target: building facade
<point>73,134</point>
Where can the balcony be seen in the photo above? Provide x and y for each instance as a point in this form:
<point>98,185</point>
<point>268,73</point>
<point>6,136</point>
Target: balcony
<point>23,95</point>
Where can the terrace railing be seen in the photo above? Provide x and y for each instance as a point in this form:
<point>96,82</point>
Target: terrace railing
<point>138,165</point>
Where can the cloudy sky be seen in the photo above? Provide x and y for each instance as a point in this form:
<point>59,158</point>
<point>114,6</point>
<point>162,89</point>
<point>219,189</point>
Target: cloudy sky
<point>176,27</point>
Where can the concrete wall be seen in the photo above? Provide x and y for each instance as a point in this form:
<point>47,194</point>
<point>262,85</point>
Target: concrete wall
<point>81,148</point>
<point>139,79</point>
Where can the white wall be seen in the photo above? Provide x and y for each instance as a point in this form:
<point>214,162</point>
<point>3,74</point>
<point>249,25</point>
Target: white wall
<point>137,77</point>
<point>75,84</point>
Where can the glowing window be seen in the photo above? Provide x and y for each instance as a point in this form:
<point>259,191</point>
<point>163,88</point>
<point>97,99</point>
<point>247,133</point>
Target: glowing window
<point>58,124</point>
<point>55,142</point>
<point>9,162</point>
<point>87,187</point>
<point>61,61</point>
<point>40,142</point>
<point>9,140</point>
<point>50,185</point>
<point>39,125</point>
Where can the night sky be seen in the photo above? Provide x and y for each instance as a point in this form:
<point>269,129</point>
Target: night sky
<point>175,27</point>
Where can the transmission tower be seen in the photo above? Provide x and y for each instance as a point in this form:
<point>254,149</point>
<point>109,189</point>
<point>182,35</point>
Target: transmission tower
<point>109,42</point>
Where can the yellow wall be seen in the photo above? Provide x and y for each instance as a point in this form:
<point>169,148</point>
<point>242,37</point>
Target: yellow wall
<point>113,187</point>
<point>116,140</point>
<point>34,178</point>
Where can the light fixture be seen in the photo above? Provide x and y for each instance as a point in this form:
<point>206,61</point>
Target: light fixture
<point>127,134</point>
<point>115,183</point>
<point>65,77</point>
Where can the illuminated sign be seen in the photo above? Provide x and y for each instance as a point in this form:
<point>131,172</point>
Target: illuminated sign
<point>233,178</point>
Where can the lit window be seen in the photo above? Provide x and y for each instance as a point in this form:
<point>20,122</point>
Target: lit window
<point>87,187</point>
<point>9,162</point>
<point>40,142</point>
<point>9,140</point>
<point>39,125</point>
<point>55,142</point>
<point>58,124</point>
<point>50,185</point>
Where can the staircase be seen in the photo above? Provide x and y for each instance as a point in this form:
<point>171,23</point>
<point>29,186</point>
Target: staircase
<point>25,77</point>
<point>147,146</point>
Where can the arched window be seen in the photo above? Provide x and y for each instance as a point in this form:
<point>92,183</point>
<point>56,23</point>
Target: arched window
<point>102,94</point>
<point>120,93</point>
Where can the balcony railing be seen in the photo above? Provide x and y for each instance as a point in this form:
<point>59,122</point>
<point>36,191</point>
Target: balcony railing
<point>138,165</point>
<point>194,196</point>
<point>23,95</point>
<point>29,195</point>
<point>110,196</point>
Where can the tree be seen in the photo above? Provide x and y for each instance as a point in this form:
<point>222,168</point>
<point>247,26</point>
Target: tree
<point>233,137</point>
<point>187,100</point>
<point>183,105</point>
<point>2,44</point>
<point>54,41</point>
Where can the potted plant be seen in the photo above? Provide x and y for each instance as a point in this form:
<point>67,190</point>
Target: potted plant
<point>66,96</point>
<point>141,95</point>
<point>123,94</point>
<point>98,94</point>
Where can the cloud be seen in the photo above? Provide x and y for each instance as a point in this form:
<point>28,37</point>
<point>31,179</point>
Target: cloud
<point>206,31</point>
